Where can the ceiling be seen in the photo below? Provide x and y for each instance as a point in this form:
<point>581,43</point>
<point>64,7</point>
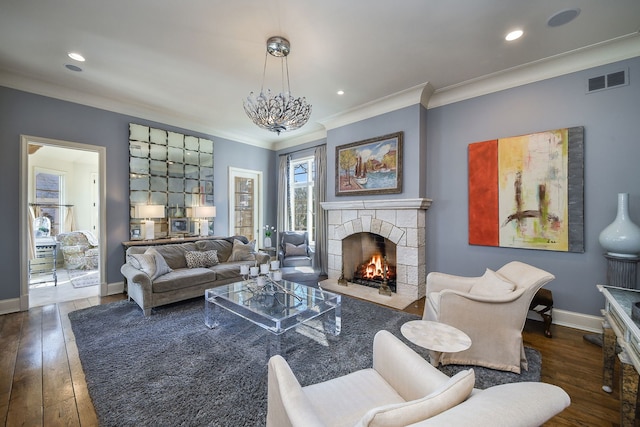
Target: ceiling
<point>191,63</point>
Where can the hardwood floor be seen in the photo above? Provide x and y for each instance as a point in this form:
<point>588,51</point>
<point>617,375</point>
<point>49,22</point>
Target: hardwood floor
<point>42,382</point>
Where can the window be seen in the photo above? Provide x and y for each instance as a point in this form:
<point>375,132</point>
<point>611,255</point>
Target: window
<point>302,196</point>
<point>49,195</point>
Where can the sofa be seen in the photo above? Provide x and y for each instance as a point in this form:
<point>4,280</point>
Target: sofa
<point>164,274</point>
<point>404,389</point>
<point>79,250</point>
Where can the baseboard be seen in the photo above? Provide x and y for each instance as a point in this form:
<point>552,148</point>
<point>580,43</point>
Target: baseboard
<point>115,288</point>
<point>570,319</point>
<point>9,305</point>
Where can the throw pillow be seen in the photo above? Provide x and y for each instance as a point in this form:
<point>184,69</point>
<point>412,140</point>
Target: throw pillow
<point>448,395</point>
<point>242,251</point>
<point>202,259</point>
<point>152,263</point>
<point>492,284</point>
<point>293,250</point>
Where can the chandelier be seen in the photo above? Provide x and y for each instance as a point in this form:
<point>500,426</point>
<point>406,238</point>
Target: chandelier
<point>281,112</point>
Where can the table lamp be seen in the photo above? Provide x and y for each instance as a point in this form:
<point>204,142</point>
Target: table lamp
<point>204,213</point>
<point>147,212</point>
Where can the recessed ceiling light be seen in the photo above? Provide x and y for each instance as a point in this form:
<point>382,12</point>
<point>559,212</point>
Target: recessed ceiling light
<point>76,56</point>
<point>563,17</point>
<point>73,67</point>
<point>513,35</point>
<point>340,92</point>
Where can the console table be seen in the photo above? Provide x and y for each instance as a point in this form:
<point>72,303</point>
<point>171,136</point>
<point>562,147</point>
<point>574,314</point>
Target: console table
<point>621,328</point>
<point>167,241</point>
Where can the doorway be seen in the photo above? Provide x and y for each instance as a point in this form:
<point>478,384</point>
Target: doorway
<point>245,207</point>
<point>62,192</point>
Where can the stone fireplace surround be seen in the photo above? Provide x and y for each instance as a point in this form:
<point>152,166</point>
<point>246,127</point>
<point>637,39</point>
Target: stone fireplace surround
<point>403,221</point>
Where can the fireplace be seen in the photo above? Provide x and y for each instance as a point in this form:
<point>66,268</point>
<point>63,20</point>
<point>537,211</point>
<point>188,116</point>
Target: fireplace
<point>369,259</point>
<point>399,223</point>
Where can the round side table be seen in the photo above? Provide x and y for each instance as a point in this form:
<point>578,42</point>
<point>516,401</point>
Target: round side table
<point>435,336</point>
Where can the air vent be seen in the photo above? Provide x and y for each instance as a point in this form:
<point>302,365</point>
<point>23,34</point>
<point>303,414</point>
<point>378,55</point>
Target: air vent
<point>608,81</point>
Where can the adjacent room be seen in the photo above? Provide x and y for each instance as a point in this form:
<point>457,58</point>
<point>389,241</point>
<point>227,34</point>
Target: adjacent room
<point>293,213</point>
<point>63,199</point>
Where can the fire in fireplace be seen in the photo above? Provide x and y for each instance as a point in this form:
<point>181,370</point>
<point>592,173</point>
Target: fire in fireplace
<point>366,257</point>
<point>374,272</point>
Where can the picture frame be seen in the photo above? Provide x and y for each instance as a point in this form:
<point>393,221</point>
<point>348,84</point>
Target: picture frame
<point>136,234</point>
<point>179,226</point>
<point>527,191</point>
<point>368,167</point>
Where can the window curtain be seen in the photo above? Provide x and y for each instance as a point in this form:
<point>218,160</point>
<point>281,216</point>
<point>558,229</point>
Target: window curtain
<point>282,219</point>
<point>69,220</point>
<point>320,183</point>
<point>31,217</point>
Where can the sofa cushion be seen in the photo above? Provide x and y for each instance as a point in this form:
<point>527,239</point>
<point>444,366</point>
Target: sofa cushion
<point>242,251</point>
<point>223,247</point>
<point>228,270</point>
<point>295,250</point>
<point>152,263</point>
<point>448,395</point>
<point>174,254</point>
<point>183,278</point>
<point>202,259</point>
<point>492,284</point>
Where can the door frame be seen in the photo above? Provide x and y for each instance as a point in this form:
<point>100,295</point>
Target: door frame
<point>259,197</point>
<point>24,200</point>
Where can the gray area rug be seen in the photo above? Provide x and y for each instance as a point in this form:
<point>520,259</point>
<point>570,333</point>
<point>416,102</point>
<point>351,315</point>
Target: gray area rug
<point>171,370</point>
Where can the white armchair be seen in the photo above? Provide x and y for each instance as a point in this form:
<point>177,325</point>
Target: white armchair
<point>490,309</point>
<point>403,389</point>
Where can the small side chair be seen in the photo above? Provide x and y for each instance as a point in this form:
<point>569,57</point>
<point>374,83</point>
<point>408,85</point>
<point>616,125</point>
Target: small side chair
<point>490,309</point>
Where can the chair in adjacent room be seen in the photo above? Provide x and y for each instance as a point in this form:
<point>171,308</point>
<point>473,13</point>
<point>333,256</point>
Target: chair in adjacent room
<point>490,309</point>
<point>294,250</point>
<point>79,249</point>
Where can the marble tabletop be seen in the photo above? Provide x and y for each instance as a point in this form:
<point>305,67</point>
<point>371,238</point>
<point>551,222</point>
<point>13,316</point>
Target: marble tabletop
<point>435,336</point>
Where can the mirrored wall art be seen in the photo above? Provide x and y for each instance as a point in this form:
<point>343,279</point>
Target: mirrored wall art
<point>169,169</point>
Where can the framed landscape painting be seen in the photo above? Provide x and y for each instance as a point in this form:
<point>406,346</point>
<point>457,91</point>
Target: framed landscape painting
<point>372,166</point>
<point>528,191</point>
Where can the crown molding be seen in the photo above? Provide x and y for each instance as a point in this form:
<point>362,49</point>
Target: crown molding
<point>40,87</point>
<point>619,49</point>
<point>412,96</point>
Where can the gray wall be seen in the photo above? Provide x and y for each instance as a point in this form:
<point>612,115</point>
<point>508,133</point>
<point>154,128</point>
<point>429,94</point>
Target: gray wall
<point>612,156</point>
<point>23,113</point>
<point>407,120</point>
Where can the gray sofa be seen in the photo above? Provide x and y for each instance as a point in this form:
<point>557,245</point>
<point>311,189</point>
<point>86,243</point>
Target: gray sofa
<point>179,281</point>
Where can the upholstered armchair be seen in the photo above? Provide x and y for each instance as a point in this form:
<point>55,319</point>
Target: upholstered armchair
<point>294,250</point>
<point>490,309</point>
<point>79,249</point>
<point>403,389</point>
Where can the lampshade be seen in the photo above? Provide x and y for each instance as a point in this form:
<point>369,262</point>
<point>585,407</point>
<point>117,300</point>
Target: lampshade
<point>148,211</point>
<point>203,212</point>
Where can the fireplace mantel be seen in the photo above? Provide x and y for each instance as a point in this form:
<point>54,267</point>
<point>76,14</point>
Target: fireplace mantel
<point>422,204</point>
<point>402,221</point>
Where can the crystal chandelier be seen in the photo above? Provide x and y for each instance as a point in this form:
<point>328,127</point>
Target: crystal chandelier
<point>281,112</point>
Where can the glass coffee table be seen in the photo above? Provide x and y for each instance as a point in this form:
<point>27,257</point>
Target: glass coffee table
<point>276,307</point>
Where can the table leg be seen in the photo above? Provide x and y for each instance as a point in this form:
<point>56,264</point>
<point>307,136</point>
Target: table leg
<point>333,321</point>
<point>628,391</point>
<point>608,357</point>
<point>211,314</point>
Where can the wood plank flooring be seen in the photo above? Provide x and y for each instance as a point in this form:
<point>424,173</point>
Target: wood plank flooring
<point>42,382</point>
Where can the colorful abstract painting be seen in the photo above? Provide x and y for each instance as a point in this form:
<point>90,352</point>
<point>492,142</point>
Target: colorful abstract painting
<point>527,191</point>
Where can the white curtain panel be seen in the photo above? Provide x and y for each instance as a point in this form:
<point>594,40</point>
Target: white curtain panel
<point>283,195</point>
